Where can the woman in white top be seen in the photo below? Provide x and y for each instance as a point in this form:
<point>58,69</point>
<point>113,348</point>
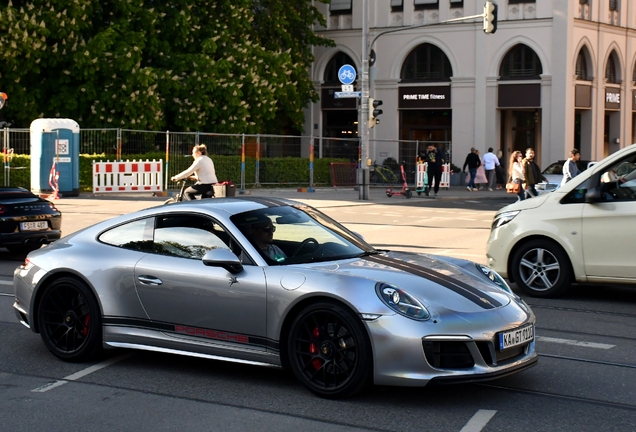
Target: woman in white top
<point>201,170</point>
<point>515,172</point>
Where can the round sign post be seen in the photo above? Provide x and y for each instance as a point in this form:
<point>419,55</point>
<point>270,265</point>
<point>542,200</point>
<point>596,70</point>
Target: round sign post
<point>347,74</point>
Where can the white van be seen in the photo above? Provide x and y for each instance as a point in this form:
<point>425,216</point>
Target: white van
<point>585,231</point>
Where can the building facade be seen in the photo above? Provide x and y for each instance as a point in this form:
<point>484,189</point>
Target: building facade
<point>556,75</point>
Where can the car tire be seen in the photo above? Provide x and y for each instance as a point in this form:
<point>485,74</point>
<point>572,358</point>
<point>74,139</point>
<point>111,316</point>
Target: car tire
<point>329,351</point>
<point>541,269</point>
<point>69,320</point>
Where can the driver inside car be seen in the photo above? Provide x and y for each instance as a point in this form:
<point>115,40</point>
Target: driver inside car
<point>263,236</point>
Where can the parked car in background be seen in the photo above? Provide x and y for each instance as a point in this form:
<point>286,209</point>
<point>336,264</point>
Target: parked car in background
<point>554,174</point>
<point>273,282</point>
<point>581,232</point>
<point>26,220</point>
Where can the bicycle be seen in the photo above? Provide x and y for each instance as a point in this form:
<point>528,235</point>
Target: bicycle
<point>382,174</point>
<point>180,195</point>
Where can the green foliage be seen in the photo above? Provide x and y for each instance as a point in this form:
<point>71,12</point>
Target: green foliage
<point>230,66</point>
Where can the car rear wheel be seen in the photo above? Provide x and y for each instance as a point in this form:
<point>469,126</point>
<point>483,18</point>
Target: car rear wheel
<point>329,351</point>
<point>541,269</point>
<point>70,320</point>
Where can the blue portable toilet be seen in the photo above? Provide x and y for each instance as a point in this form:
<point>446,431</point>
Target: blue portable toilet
<point>55,141</point>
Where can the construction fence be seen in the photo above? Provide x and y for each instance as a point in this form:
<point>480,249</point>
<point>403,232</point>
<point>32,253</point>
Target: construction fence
<point>247,160</point>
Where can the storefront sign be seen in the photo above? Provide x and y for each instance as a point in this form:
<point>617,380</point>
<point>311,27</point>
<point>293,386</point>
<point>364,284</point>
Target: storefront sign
<point>612,99</point>
<point>519,96</point>
<point>425,97</point>
<point>583,96</point>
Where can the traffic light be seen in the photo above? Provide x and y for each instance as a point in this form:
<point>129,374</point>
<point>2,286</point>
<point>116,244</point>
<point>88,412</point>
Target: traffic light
<point>374,111</point>
<point>3,98</point>
<point>490,17</point>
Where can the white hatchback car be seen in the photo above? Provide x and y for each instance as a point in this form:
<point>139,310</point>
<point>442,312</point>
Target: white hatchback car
<point>582,232</point>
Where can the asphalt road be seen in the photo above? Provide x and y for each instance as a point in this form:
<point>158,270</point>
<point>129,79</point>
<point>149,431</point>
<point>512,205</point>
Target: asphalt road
<point>585,379</point>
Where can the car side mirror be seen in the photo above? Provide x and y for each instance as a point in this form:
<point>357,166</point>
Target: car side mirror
<point>223,258</point>
<point>593,195</point>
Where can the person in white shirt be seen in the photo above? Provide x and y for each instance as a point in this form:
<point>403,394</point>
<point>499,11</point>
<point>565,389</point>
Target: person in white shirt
<point>515,172</point>
<point>490,162</point>
<point>570,169</point>
<point>201,170</point>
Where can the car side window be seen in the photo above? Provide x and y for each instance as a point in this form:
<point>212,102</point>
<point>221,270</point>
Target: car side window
<point>618,182</point>
<point>187,236</point>
<point>135,235</point>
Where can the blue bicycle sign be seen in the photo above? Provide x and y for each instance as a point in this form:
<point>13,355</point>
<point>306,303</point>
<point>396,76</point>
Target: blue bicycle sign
<point>347,74</point>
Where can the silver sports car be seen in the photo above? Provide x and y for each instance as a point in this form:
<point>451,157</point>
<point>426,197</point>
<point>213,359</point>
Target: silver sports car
<point>273,282</point>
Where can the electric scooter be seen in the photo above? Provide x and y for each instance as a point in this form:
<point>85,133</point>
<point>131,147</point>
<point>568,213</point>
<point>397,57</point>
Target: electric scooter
<point>406,191</point>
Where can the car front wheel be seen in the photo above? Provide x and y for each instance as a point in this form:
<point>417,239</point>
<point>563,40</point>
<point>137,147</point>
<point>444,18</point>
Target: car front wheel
<point>541,269</point>
<point>329,351</point>
<point>70,320</point>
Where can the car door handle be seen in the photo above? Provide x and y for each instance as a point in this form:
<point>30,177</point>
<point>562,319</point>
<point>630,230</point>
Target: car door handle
<point>149,280</point>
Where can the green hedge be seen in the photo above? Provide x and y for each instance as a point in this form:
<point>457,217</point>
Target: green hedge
<point>273,172</point>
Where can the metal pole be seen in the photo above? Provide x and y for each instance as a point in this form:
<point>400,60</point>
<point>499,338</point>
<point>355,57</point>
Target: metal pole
<point>363,172</point>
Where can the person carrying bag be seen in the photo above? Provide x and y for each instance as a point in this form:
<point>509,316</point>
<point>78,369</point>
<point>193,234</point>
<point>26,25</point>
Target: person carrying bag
<point>515,175</point>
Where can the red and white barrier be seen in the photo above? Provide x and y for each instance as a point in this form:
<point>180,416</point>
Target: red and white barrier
<point>446,172</point>
<point>135,176</point>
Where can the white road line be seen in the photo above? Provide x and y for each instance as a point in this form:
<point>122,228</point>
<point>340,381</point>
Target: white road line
<point>479,421</point>
<point>575,342</point>
<point>80,374</point>
<point>2,282</point>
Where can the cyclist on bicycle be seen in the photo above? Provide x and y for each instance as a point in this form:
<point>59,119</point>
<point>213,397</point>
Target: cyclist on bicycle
<point>202,170</point>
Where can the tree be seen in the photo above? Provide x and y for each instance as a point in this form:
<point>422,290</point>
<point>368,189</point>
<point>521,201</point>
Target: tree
<point>224,66</point>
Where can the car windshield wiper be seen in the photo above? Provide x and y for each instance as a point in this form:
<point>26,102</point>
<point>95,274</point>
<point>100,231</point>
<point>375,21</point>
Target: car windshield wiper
<point>372,252</point>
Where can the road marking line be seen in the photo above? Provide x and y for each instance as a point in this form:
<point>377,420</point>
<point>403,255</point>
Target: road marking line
<point>2,282</point>
<point>80,374</point>
<point>575,342</point>
<point>478,421</point>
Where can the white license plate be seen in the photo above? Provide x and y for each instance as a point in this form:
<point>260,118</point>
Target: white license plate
<point>34,226</point>
<point>516,337</point>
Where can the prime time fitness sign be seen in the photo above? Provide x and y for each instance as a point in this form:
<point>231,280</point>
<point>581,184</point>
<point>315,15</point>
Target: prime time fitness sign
<point>425,97</point>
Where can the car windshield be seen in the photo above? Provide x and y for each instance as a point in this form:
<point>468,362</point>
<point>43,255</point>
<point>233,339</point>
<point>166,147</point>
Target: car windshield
<point>299,234</point>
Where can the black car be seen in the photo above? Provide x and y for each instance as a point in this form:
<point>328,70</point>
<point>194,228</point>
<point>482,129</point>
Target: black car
<point>26,220</point>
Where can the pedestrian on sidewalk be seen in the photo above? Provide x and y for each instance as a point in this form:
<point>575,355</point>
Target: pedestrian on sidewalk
<point>515,172</point>
<point>435,160</point>
<point>472,162</point>
<point>490,162</point>
<point>570,169</point>
<point>531,174</point>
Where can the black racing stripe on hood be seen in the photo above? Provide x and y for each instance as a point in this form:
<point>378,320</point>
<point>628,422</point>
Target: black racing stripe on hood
<point>473,294</point>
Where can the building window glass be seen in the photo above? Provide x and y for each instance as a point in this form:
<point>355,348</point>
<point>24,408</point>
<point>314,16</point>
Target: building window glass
<point>426,4</point>
<point>613,5</point>
<point>397,5</point>
<point>610,71</point>
<point>426,63</point>
<point>581,66</point>
<point>584,1</point>
<point>340,7</point>
<point>521,62</point>
<point>456,3</point>
<point>521,1</point>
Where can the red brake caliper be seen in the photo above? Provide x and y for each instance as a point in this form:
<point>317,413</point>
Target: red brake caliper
<point>87,322</point>
<point>316,363</point>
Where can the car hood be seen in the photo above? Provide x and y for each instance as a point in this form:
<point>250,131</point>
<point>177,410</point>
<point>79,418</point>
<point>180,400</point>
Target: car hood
<point>527,204</point>
<point>447,283</point>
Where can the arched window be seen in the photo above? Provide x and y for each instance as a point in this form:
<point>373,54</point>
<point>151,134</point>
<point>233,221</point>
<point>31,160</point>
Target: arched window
<point>521,62</point>
<point>611,69</point>
<point>426,63</point>
<point>337,61</point>
<point>581,65</point>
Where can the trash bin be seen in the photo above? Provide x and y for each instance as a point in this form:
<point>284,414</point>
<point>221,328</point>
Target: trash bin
<point>230,190</point>
<point>219,190</point>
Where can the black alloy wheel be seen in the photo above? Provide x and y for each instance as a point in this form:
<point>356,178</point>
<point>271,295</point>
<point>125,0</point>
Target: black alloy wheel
<point>541,268</point>
<point>329,351</point>
<point>70,320</point>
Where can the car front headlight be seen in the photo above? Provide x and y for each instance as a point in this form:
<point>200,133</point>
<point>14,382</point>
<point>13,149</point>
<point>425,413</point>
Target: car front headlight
<point>401,302</point>
<point>495,277</point>
<point>503,218</point>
